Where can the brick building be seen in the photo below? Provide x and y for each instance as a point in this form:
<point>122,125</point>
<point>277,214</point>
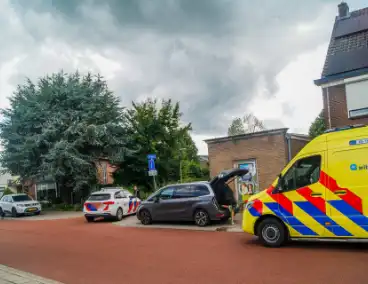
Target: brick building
<point>344,79</point>
<point>46,188</point>
<point>266,152</point>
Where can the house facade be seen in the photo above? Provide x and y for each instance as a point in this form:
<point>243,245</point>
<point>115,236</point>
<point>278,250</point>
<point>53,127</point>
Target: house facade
<point>46,188</point>
<point>264,153</point>
<point>344,79</point>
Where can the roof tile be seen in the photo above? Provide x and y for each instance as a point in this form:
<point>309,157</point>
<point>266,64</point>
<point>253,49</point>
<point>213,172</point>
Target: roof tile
<point>348,49</point>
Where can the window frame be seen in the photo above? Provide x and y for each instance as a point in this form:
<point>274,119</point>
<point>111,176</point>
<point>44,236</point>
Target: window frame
<point>166,188</point>
<point>181,187</point>
<point>293,166</point>
<point>352,95</point>
<point>118,195</point>
<point>203,186</point>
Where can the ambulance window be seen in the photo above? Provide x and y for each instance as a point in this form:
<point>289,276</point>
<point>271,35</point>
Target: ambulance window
<point>304,172</point>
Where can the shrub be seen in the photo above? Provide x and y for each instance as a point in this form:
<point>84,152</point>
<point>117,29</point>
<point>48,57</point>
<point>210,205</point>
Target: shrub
<point>7,191</point>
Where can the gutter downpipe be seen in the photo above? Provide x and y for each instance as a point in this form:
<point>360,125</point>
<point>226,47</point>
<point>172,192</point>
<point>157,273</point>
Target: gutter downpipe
<point>328,107</point>
<point>288,142</point>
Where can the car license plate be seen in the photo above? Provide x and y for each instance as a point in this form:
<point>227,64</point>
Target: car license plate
<point>32,209</point>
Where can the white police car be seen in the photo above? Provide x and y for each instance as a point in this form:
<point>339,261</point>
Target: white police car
<point>110,203</point>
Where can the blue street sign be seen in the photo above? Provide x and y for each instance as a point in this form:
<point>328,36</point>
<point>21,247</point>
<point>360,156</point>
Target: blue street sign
<point>151,165</point>
<point>151,156</point>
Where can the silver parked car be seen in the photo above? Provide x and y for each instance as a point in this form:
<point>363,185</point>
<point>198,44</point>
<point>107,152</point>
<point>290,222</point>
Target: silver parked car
<point>200,202</point>
<point>19,204</point>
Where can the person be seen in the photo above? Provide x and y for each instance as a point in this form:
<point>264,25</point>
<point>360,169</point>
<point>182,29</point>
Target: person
<point>136,192</point>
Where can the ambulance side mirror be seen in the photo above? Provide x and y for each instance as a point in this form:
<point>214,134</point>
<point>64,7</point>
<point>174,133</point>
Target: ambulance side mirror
<point>278,187</point>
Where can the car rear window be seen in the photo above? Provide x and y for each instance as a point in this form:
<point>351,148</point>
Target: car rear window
<point>100,197</point>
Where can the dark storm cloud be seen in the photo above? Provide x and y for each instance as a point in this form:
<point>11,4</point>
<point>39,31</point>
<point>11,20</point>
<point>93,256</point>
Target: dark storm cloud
<point>211,55</point>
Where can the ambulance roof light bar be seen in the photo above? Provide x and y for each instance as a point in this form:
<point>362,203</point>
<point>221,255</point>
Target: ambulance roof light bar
<point>336,129</point>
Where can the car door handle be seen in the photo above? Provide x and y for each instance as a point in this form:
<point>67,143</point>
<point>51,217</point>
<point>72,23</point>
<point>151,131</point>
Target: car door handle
<point>340,192</point>
<point>316,194</point>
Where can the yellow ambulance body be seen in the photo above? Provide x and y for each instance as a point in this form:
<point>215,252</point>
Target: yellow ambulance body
<point>321,194</point>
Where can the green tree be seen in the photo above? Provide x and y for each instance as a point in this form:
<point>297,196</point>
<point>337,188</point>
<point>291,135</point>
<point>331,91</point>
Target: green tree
<point>59,126</point>
<point>318,126</point>
<point>236,127</point>
<point>247,124</point>
<point>156,128</point>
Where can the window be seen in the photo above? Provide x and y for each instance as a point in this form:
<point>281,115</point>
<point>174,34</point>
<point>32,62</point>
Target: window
<point>126,192</point>
<point>4,199</point>
<point>167,193</point>
<point>201,190</point>
<point>118,195</point>
<point>21,198</point>
<point>357,99</point>
<point>303,173</point>
<point>99,197</point>
<point>191,191</point>
<point>185,191</point>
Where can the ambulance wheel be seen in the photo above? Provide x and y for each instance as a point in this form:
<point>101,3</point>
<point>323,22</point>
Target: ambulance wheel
<point>119,214</point>
<point>272,232</point>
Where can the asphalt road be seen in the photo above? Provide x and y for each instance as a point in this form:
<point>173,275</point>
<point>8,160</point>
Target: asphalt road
<point>72,251</point>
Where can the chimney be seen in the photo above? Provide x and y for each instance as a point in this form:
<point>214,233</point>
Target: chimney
<point>343,10</point>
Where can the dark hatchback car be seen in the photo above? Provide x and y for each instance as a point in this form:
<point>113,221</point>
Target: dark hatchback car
<point>200,202</point>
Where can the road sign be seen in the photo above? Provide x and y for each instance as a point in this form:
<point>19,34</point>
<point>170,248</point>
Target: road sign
<point>152,173</point>
<point>151,162</point>
<point>152,168</point>
<point>151,165</point>
<point>151,156</point>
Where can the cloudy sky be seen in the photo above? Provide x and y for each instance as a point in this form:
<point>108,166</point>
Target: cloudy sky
<point>219,58</point>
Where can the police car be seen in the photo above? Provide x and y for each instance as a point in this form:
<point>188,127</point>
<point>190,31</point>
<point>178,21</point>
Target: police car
<point>110,203</point>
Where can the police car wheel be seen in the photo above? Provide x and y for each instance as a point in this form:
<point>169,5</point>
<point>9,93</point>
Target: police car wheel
<point>119,214</point>
<point>272,233</point>
<point>89,219</point>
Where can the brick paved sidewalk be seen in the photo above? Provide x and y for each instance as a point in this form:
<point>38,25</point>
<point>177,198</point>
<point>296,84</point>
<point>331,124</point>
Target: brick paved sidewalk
<point>10,275</point>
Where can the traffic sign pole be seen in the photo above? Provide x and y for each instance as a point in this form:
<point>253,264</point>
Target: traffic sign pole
<point>152,168</point>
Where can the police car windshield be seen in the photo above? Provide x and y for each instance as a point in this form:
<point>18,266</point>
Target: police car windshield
<point>99,197</point>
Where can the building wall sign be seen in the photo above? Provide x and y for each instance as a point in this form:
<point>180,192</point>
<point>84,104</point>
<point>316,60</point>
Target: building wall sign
<point>247,184</point>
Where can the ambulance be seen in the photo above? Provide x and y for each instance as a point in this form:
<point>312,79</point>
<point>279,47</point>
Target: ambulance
<point>322,194</point>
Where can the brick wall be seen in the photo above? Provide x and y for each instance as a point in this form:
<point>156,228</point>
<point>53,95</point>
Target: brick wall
<point>338,108</point>
<point>110,169</point>
<point>270,152</point>
<point>296,146</point>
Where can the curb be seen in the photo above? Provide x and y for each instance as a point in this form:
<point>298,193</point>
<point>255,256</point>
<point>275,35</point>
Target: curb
<point>10,275</point>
